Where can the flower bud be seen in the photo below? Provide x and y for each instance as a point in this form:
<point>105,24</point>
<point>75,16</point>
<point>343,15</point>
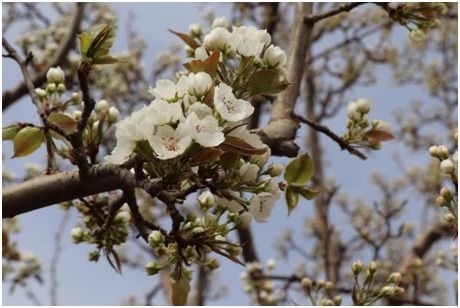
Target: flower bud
<point>363,105</point>
<point>395,278</point>
<point>357,267</point>
<point>275,57</point>
<point>77,115</point>
<point>446,194</point>
<point>113,115</point>
<point>433,150</point>
<point>417,35</point>
<point>76,97</point>
<point>443,151</point>
<point>450,218</point>
<point>61,88</point>
<point>199,84</point>
<point>248,172</point>
<point>271,263</point>
<point>206,200</point>
<point>337,300</point>
<point>102,106</point>
<point>155,238</point>
<point>441,201</point>
<point>77,235</point>
<point>372,267</point>
<point>328,286</point>
<point>352,111</point>
<point>94,256</point>
<point>55,75</point>
<point>195,29</point>
<point>123,217</point>
<point>306,284</point>
<point>51,88</point>
<point>212,264</point>
<point>234,250</point>
<point>152,268</point>
<point>447,166</point>
<point>275,170</point>
<point>40,92</point>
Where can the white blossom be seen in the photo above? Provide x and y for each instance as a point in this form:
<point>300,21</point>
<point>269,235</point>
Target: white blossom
<point>168,90</point>
<point>217,39</point>
<point>275,169</point>
<point>363,105</point>
<point>253,140</point>
<point>248,172</point>
<point>381,125</point>
<point>249,41</point>
<point>206,199</point>
<point>195,29</point>
<point>168,142</point>
<point>204,131</point>
<point>220,22</point>
<point>201,110</point>
<point>261,206</point>
<point>244,219</point>
<point>352,111</point>
<point>275,57</point>
<point>228,106</point>
<point>55,75</point>
<point>77,235</point>
<point>161,112</point>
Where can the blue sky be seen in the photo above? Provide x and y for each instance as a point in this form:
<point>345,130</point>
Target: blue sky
<point>85,283</point>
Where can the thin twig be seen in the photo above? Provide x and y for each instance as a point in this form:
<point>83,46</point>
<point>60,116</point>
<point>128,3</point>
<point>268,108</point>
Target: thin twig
<point>345,7</point>
<point>325,130</point>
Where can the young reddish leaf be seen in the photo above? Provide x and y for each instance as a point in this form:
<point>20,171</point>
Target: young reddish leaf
<point>206,156</point>
<point>267,81</point>
<point>229,159</point>
<point>186,38</point>
<point>180,290</point>
<point>236,145</point>
<point>378,135</point>
<point>27,141</point>
<point>292,199</point>
<point>209,65</point>
<point>299,170</point>
<point>63,121</point>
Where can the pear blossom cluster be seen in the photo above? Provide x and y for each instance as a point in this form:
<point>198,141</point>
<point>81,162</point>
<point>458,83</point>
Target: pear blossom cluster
<point>362,132</point>
<point>448,196</point>
<point>202,110</point>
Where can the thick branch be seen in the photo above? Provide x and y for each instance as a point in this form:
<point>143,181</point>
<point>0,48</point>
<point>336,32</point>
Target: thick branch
<point>51,189</point>
<point>281,130</point>
<point>11,96</point>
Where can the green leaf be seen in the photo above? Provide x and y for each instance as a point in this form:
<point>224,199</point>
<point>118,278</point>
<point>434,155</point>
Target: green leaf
<point>27,141</point>
<point>10,131</point>
<point>236,145</point>
<point>267,81</point>
<point>63,121</point>
<point>209,65</point>
<point>299,170</point>
<point>180,290</point>
<point>85,41</point>
<point>106,60</point>
<point>186,38</point>
<point>307,192</point>
<point>292,199</point>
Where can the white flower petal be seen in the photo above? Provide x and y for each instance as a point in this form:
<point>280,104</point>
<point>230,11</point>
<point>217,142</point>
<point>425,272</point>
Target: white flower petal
<point>230,108</point>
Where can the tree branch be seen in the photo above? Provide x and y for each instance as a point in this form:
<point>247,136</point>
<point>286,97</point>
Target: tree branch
<point>51,189</point>
<point>11,96</point>
<point>325,130</point>
<point>345,7</point>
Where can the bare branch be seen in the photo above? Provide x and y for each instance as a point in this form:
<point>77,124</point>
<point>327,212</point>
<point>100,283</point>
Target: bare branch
<point>345,7</point>
<point>325,130</point>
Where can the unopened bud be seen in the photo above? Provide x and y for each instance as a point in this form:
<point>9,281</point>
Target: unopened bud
<point>372,267</point>
<point>337,300</point>
<point>51,88</point>
<point>306,284</point>
<point>357,267</point>
<point>152,268</point>
<point>445,193</point>
<point>61,88</point>
<point>113,114</point>
<point>40,92</point>
<point>275,170</point>
<point>213,264</point>
<point>94,256</point>
<point>55,75</point>
<point>102,106</point>
<point>395,278</point>
<point>244,220</point>
<point>155,238</point>
<point>441,201</point>
<point>206,200</point>
<point>77,235</point>
<point>76,97</point>
<point>450,218</point>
